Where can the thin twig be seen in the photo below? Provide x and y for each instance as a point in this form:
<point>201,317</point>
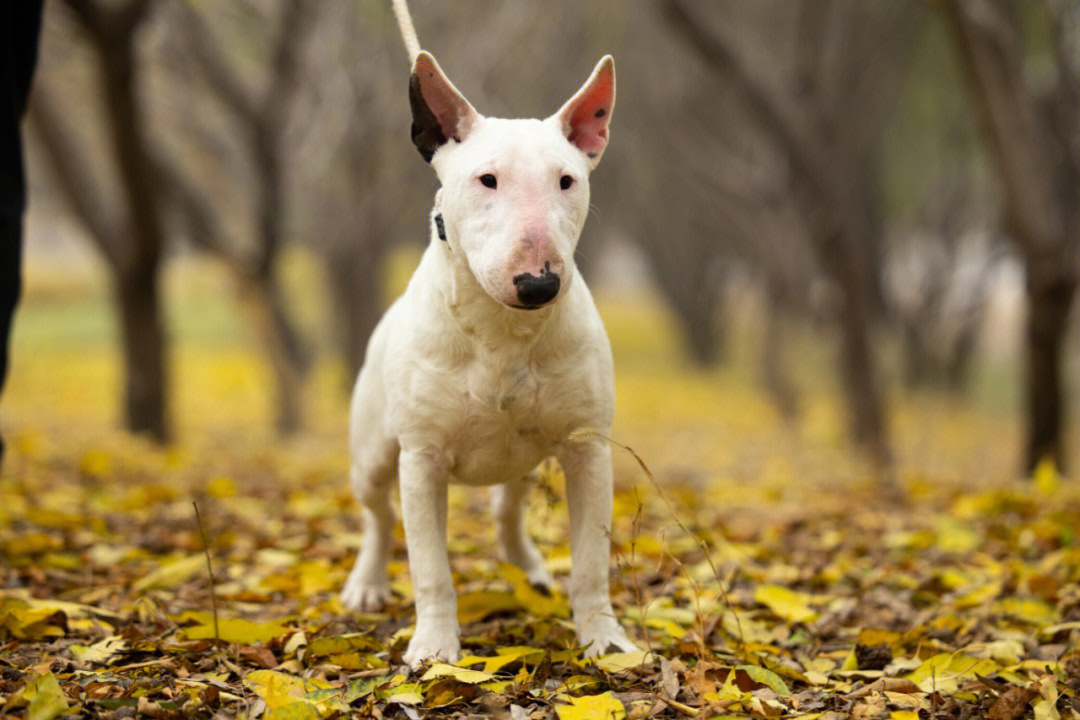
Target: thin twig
<point>634,574</point>
<point>681,707</point>
<point>210,572</point>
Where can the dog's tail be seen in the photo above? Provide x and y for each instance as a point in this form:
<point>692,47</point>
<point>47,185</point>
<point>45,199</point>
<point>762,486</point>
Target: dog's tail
<point>408,32</point>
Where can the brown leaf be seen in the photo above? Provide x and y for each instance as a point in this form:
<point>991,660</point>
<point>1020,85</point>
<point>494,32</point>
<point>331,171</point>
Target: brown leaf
<point>1012,704</point>
<point>260,655</point>
<point>669,680</point>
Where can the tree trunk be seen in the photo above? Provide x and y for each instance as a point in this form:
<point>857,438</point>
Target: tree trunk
<point>354,282</point>
<point>777,383</point>
<point>1050,303</point>
<point>144,351</point>
<point>262,301</point>
<point>864,401</point>
<point>684,279</point>
<point>137,257</point>
<point>1039,176</point>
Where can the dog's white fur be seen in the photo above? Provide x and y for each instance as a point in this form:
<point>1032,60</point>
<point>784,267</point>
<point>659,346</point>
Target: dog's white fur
<point>459,385</point>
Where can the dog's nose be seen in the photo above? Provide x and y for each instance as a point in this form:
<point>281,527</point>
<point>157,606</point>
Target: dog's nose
<point>535,290</point>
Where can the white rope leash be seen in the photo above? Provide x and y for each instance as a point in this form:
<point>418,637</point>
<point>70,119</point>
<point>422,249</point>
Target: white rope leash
<point>408,31</point>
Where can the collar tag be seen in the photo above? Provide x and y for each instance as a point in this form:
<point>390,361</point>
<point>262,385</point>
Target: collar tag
<point>440,227</point>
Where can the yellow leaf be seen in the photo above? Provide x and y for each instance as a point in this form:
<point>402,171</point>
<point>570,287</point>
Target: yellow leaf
<point>1046,476</point>
<point>172,574</point>
<point>505,657</point>
<point>978,596</point>
<point>604,706</point>
<point>1046,707</point>
<point>956,537</point>
<point>221,487</point>
<point>1028,610</point>
<point>99,652</point>
<point>903,715</point>
<point>278,689</point>
<point>46,698</point>
<point>442,670</point>
<point>404,694</point>
<point>785,603</point>
<point>475,606</point>
<point>95,463</point>
<point>621,662</point>
<point>766,677</point>
<point>26,623</point>
<point>943,672</point>
<point>1006,652</point>
<point>532,599</point>
<point>873,636</point>
<point>295,710</point>
<point>232,630</point>
<point>342,644</point>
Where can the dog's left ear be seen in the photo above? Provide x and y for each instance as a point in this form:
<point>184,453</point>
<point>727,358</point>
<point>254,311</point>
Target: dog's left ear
<point>584,118</point>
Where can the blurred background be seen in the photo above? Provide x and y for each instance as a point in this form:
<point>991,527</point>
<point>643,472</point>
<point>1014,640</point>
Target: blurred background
<point>830,239</point>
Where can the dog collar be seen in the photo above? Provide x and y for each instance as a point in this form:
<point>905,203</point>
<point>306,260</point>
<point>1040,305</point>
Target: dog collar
<point>439,227</point>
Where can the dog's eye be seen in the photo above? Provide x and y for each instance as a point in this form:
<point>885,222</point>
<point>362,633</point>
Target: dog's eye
<point>565,182</point>
<point>488,180</point>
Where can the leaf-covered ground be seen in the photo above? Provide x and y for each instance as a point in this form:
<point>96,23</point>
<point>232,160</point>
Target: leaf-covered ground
<point>772,578</point>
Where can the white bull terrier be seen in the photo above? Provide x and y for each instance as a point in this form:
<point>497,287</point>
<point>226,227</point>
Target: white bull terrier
<point>491,358</point>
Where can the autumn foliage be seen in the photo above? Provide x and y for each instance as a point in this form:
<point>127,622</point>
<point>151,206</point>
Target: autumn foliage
<point>765,571</point>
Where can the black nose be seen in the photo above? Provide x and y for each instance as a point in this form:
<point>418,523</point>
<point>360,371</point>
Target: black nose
<point>535,290</point>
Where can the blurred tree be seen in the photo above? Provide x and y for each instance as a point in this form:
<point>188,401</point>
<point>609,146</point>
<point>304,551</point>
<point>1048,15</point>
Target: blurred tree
<point>126,223</point>
<point>1034,134</point>
<point>259,102</point>
<point>813,79</point>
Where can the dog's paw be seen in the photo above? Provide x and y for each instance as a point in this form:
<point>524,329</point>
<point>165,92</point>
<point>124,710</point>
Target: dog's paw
<point>433,643</point>
<point>604,635</point>
<point>365,596</point>
<point>540,578</point>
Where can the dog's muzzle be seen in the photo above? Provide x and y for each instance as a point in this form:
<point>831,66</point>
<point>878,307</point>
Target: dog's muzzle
<point>536,290</point>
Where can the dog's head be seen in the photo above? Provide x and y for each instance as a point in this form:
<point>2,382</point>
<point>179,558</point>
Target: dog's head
<point>515,193</point>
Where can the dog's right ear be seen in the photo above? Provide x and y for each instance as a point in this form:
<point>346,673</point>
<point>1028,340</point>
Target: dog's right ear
<point>440,112</point>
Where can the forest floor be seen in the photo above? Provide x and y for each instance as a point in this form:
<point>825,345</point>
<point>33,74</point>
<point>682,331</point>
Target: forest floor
<point>764,573</point>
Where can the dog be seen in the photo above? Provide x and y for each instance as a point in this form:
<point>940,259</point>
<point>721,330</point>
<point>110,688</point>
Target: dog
<point>489,361</point>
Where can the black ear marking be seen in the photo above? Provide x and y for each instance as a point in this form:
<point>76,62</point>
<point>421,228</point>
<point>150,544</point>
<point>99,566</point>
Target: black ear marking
<point>427,134</point>
<point>440,228</point>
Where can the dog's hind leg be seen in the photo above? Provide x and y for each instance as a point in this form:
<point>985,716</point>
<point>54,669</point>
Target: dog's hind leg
<point>508,505</point>
<point>368,586</point>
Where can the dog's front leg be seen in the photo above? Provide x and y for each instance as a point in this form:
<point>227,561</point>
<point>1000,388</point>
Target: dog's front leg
<point>587,467</point>
<point>423,477</point>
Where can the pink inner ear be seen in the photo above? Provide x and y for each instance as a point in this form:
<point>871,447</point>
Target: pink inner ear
<point>452,111</point>
<point>589,114</point>
<point>443,103</point>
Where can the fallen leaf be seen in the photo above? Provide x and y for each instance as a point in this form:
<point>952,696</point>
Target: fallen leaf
<point>46,699</point>
<point>766,677</point>
<point>621,662</point>
<point>604,706</point>
<point>443,670</point>
<point>477,606</point>
<point>786,603</point>
<point>172,573</point>
<point>232,630</point>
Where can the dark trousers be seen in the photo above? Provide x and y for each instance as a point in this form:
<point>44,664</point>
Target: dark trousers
<point>20,25</point>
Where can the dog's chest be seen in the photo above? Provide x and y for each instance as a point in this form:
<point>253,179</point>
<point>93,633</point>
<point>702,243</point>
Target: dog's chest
<point>512,414</point>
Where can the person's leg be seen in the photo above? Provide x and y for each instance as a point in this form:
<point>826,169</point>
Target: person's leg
<point>20,25</point>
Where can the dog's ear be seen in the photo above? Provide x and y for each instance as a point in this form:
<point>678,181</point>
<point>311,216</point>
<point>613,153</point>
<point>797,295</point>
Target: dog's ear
<point>440,112</point>
<point>584,118</point>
